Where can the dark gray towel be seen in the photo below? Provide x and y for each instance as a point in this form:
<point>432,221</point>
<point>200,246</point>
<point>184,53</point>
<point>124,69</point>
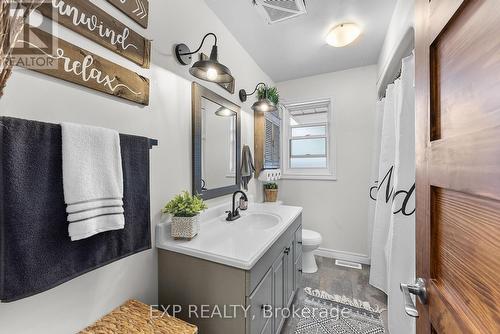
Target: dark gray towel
<point>247,167</point>
<point>36,253</point>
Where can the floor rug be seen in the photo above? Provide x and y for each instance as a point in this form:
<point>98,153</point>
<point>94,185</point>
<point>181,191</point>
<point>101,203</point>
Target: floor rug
<point>323,313</point>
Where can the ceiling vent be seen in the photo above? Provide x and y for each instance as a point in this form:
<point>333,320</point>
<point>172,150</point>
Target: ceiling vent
<point>275,11</point>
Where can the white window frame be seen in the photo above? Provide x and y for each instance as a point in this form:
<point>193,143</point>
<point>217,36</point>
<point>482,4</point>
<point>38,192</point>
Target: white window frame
<point>328,173</point>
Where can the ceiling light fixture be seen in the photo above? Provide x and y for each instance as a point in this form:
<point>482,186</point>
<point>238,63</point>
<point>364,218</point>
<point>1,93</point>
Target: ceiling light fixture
<point>209,69</point>
<point>263,104</point>
<point>343,34</point>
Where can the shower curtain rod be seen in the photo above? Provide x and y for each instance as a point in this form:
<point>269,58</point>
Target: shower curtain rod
<point>392,70</point>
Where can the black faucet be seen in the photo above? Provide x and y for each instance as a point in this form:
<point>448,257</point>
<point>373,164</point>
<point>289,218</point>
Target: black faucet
<point>235,213</point>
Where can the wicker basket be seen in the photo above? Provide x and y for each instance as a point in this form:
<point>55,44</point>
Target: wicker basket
<point>271,195</point>
<point>134,317</point>
<point>185,227</point>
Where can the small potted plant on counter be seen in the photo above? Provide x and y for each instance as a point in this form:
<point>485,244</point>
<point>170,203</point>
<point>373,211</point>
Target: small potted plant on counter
<point>271,191</point>
<point>185,210</point>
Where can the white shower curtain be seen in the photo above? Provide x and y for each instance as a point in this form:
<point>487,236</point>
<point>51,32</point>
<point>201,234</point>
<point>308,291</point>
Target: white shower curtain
<point>375,163</point>
<point>386,184</point>
<point>393,236</point>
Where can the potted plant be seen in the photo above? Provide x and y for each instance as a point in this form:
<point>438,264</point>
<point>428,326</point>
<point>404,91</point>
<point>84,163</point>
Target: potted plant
<point>270,93</point>
<point>271,192</point>
<point>185,210</point>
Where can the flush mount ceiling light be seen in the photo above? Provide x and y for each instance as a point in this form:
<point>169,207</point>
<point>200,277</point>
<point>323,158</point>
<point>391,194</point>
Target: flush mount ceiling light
<point>224,112</point>
<point>263,104</point>
<point>343,34</point>
<point>209,69</point>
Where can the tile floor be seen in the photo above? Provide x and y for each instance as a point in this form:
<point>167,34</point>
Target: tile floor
<point>333,279</point>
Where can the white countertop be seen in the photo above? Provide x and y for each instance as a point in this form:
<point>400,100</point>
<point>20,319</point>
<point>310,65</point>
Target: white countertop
<point>237,244</point>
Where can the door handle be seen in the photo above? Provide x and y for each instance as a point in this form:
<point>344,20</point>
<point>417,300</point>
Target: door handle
<point>418,289</point>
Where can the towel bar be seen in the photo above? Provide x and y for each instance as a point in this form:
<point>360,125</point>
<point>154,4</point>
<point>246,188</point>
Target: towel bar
<point>152,142</point>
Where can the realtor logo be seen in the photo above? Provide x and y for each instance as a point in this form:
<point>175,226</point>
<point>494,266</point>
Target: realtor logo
<point>28,49</point>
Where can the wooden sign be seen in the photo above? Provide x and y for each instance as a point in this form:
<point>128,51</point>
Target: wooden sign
<point>137,10</point>
<point>79,66</point>
<point>92,22</point>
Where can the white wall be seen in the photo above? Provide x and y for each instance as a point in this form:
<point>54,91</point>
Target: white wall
<point>74,305</point>
<point>338,209</point>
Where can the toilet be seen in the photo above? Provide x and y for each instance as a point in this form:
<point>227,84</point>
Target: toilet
<point>310,242</point>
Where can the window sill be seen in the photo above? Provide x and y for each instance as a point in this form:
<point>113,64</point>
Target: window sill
<point>309,177</point>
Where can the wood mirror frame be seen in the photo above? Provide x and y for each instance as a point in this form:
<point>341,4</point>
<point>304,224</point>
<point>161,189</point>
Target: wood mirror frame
<point>199,92</point>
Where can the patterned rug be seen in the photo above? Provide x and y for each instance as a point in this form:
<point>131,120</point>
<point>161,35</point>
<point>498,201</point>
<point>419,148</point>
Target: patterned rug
<point>326,314</point>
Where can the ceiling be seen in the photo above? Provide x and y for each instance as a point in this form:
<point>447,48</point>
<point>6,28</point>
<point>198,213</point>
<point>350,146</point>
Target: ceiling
<point>296,48</point>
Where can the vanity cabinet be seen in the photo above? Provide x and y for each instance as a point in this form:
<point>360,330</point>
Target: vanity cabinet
<point>283,267</point>
<point>269,285</point>
<point>260,298</point>
<point>290,275</point>
<point>283,283</point>
<point>278,272</point>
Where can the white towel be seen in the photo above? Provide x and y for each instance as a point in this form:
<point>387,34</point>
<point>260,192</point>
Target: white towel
<point>92,180</point>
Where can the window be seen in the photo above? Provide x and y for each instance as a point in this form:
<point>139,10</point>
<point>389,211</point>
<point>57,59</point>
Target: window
<point>308,141</point>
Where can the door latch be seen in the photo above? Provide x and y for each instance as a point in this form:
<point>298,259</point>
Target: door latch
<point>418,289</point>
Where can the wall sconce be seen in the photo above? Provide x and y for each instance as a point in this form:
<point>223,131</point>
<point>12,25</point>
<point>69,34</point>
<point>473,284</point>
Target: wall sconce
<point>263,104</point>
<point>224,112</point>
<point>208,70</point>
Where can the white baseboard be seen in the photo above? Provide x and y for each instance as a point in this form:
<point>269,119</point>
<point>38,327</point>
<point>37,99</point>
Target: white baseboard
<point>342,255</point>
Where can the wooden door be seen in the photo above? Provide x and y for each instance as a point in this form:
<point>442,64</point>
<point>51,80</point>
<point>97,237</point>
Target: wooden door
<point>458,164</point>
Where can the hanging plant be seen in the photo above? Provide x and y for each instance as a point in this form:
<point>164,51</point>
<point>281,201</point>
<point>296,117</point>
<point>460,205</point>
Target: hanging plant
<point>13,15</point>
<point>270,92</point>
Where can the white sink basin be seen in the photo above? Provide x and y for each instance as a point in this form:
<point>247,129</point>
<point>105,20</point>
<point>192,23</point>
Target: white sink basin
<point>239,243</point>
<point>259,221</point>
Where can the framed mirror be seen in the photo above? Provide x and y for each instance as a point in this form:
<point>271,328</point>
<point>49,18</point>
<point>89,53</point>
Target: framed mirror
<point>216,144</point>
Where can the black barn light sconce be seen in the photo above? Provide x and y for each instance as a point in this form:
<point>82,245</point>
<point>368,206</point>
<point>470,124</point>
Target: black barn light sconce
<point>209,69</point>
<point>263,104</point>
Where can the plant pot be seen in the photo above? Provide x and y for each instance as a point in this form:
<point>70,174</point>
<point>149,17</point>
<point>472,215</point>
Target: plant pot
<point>185,227</point>
<point>271,195</point>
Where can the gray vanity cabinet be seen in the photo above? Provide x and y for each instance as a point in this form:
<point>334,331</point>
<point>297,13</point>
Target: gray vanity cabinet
<point>290,274</point>
<point>260,298</point>
<point>297,281</point>
<point>286,271</point>
<point>283,283</point>
<point>268,329</point>
<point>279,273</point>
<point>270,284</point>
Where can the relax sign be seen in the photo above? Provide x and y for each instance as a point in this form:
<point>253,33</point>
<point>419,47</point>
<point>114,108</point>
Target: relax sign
<point>84,68</point>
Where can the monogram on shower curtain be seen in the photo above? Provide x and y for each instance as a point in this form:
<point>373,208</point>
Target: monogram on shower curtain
<point>393,227</point>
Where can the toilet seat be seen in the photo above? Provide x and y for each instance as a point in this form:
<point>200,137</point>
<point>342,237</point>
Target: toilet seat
<point>310,238</point>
